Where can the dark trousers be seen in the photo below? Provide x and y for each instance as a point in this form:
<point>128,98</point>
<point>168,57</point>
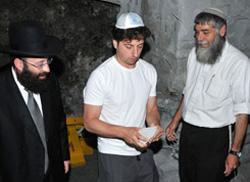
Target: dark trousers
<point>47,177</point>
<point>202,154</point>
<point>117,168</point>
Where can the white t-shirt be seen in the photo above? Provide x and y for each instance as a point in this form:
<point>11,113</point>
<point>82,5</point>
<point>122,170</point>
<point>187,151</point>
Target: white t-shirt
<point>123,94</point>
<point>215,94</point>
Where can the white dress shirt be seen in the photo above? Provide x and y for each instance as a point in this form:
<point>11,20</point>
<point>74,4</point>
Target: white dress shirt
<point>215,94</point>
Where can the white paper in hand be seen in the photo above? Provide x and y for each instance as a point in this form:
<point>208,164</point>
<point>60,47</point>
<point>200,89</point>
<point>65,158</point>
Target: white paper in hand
<point>148,132</point>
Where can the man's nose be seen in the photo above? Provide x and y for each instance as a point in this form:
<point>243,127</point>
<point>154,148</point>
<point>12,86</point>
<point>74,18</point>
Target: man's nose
<point>200,37</point>
<point>135,52</point>
<point>46,68</point>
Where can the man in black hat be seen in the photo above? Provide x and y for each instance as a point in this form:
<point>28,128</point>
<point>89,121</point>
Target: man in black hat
<point>33,133</point>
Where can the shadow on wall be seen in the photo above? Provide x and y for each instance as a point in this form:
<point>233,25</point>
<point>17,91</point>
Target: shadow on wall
<point>4,59</point>
<point>57,67</point>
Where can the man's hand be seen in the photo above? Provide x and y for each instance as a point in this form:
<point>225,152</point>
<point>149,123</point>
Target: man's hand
<point>170,131</point>
<point>133,137</point>
<point>157,136</point>
<point>66,166</point>
<point>174,122</point>
<point>232,162</point>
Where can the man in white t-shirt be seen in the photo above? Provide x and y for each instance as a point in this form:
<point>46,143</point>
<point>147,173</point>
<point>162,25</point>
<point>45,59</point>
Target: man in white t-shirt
<point>216,95</point>
<point>119,97</point>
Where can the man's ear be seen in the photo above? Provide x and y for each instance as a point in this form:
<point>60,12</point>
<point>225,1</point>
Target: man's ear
<point>18,63</point>
<point>223,31</point>
<point>115,43</point>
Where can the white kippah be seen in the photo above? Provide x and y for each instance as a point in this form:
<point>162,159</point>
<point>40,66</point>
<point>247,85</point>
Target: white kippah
<point>129,20</point>
<point>215,11</point>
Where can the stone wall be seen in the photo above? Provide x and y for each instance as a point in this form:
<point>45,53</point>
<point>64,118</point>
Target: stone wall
<point>84,26</point>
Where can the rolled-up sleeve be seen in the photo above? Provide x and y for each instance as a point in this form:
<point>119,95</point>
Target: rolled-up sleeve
<point>241,88</point>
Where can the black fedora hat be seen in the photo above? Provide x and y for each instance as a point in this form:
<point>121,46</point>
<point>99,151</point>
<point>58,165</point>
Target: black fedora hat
<point>28,38</point>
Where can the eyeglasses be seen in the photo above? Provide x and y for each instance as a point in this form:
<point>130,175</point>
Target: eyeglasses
<point>40,65</point>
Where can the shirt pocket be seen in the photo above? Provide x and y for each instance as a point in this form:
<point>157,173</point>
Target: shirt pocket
<point>216,92</point>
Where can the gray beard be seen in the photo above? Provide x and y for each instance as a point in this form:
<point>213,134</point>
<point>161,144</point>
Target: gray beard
<point>209,55</point>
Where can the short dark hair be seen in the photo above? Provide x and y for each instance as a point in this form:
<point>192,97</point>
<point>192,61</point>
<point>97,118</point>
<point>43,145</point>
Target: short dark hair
<point>204,17</point>
<point>131,33</point>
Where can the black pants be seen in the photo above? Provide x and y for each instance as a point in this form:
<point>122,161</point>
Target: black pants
<point>203,152</point>
<point>117,168</point>
<point>47,177</point>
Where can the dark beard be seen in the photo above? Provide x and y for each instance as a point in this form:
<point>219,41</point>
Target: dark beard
<point>209,55</point>
<point>31,82</point>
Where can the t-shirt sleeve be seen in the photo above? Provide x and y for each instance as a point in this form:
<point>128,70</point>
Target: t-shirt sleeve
<point>153,77</point>
<point>93,93</point>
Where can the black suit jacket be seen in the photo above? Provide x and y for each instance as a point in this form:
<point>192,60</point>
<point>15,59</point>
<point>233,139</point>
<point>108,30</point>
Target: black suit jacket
<point>21,149</point>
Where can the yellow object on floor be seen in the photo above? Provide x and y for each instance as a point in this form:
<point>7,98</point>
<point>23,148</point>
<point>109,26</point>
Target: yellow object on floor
<point>87,150</point>
<point>76,153</point>
<point>78,145</point>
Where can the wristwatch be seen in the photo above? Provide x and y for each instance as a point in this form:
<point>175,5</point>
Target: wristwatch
<point>238,154</point>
